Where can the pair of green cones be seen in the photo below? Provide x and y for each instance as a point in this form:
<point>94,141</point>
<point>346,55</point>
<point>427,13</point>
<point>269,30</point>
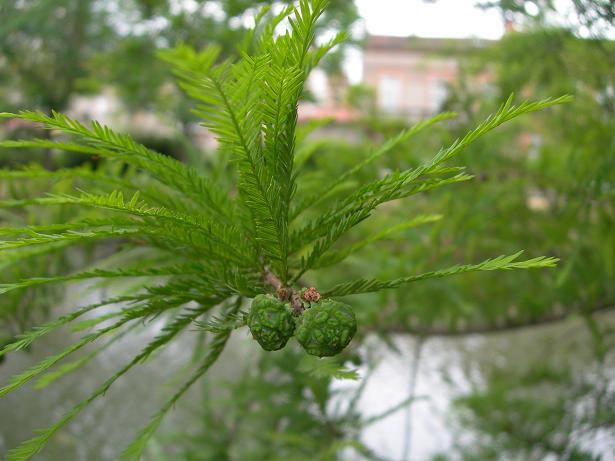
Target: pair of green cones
<point>323,330</point>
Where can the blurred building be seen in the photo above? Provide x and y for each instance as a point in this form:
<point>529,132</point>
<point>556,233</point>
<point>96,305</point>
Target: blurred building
<point>411,74</point>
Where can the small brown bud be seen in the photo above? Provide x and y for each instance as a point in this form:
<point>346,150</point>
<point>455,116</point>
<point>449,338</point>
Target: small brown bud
<point>311,295</point>
<point>283,293</point>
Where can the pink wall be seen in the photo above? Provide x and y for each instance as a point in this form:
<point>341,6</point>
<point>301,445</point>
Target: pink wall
<point>419,76</point>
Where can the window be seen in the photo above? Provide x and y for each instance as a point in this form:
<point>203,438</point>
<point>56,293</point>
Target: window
<point>439,92</point>
<point>389,94</point>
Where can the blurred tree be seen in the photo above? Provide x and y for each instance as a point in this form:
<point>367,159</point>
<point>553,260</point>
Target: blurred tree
<point>45,46</point>
<point>523,405</point>
<point>596,16</point>
<point>362,98</point>
<point>50,50</point>
<point>570,172</point>
<point>550,394</point>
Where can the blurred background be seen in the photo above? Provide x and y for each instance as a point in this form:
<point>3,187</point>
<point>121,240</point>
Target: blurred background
<point>506,366</point>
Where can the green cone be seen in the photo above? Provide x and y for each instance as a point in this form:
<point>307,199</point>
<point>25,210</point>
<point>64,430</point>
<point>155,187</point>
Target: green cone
<point>271,322</point>
<point>326,329</point>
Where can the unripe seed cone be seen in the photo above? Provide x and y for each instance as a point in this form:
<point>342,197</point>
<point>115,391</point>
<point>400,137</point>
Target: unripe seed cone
<point>326,329</point>
<point>271,322</point>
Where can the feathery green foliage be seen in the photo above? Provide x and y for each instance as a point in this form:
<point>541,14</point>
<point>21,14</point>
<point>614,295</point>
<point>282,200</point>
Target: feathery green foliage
<point>499,263</point>
<point>217,245</point>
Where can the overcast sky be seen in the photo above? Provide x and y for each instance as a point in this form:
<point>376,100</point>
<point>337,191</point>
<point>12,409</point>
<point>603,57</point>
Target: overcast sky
<point>443,18</point>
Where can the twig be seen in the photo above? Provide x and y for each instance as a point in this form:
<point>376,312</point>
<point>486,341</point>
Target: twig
<point>285,293</point>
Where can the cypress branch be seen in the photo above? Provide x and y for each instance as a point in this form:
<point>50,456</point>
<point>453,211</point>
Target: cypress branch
<point>500,263</point>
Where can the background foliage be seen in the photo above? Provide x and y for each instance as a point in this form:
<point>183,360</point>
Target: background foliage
<point>543,182</point>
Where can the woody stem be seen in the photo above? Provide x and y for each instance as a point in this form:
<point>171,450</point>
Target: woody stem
<point>276,283</point>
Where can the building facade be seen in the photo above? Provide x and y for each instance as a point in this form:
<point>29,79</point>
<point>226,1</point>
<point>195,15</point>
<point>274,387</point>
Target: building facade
<point>410,74</point>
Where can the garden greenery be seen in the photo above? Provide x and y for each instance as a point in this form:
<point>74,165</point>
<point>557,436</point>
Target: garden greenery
<point>205,244</point>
